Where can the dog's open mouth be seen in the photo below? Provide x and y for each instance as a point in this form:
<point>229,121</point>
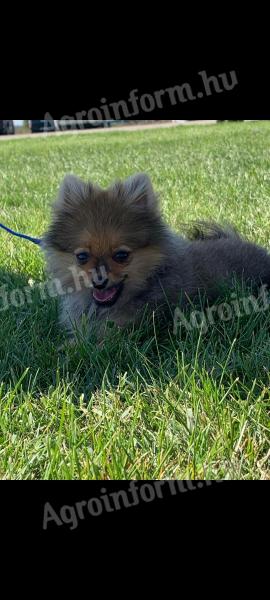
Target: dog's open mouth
<point>109,296</point>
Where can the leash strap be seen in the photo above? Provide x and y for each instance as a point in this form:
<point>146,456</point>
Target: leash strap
<point>36,241</point>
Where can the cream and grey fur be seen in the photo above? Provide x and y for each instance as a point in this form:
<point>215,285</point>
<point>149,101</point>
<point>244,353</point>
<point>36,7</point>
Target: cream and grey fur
<point>163,267</point>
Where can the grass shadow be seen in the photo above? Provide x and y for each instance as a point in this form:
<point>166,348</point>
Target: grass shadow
<point>29,334</point>
<point>150,355</point>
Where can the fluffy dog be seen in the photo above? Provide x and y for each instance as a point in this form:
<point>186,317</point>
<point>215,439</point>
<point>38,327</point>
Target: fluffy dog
<point>114,255</point>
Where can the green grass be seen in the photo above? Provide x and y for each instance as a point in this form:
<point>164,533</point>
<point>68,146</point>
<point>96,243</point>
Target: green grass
<point>148,404</point>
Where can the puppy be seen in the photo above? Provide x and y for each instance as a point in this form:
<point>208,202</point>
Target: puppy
<point>113,254</point>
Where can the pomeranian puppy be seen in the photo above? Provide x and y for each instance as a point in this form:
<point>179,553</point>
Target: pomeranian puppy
<point>114,255</point>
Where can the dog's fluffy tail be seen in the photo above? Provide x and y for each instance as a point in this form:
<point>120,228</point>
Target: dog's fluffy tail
<point>207,230</point>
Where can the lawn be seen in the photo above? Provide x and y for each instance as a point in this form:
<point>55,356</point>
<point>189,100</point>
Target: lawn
<point>149,404</point>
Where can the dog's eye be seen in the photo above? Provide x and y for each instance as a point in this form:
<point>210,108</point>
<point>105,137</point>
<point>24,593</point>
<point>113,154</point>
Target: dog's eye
<point>121,256</point>
<point>83,258</point>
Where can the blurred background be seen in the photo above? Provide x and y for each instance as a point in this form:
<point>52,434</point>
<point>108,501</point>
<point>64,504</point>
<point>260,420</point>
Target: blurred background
<point>20,126</point>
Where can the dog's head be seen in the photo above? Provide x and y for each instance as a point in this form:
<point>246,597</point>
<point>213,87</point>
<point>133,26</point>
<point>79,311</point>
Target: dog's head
<point>109,241</point>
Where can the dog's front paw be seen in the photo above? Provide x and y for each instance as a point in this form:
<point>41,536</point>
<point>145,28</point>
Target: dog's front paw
<point>68,343</point>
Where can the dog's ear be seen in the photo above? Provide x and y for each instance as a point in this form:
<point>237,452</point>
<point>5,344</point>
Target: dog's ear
<point>138,190</point>
<point>71,193</point>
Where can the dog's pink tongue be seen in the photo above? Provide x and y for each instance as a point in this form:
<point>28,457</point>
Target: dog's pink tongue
<point>104,295</point>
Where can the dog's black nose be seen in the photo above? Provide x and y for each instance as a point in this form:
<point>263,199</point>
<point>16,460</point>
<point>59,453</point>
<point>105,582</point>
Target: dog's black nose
<point>100,286</point>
